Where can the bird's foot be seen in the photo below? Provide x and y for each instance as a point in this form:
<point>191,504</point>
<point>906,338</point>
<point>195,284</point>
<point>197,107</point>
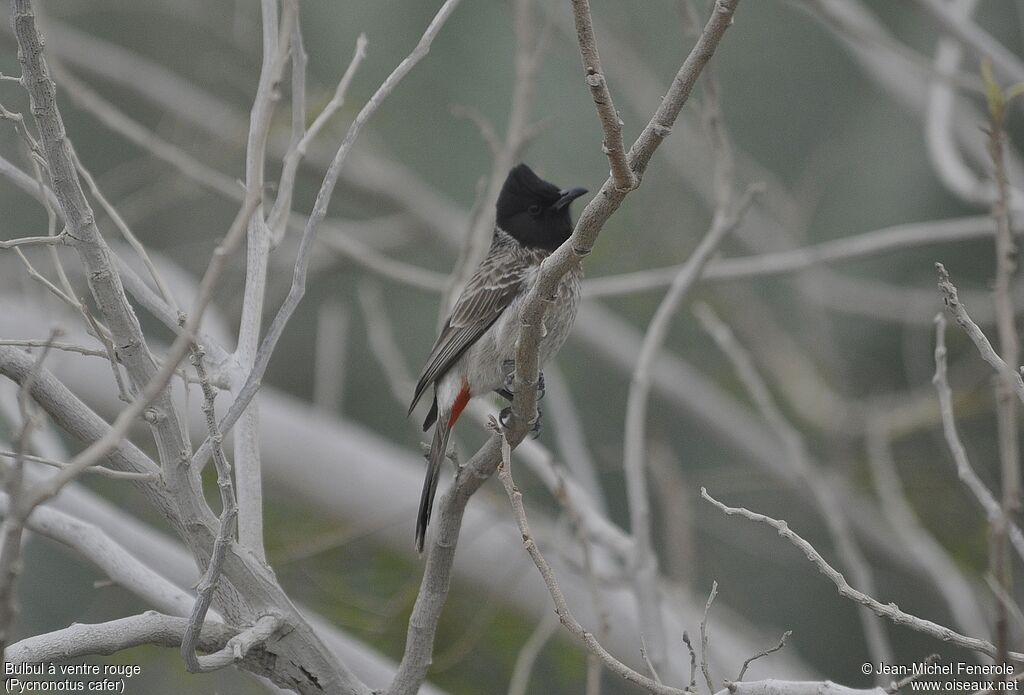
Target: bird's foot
<point>505,418</point>
<point>508,370</point>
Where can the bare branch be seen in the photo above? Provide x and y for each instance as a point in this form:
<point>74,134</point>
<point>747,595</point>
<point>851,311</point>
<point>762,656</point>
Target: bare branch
<point>993,511</point>
<point>647,661</point>
<point>257,260</point>
<point>934,560</point>
<point>704,669</point>
<point>622,174</point>
<point>97,469</point>
<point>1009,351</point>
<point>125,230</point>
<point>13,527</point>
<point>823,494</point>
<point>109,638</point>
<point>225,532</point>
<point>120,565</point>
<point>66,347</point>
<point>889,611</point>
<point>239,646</point>
<point>527,657</point>
<point>866,245</point>
<point>692,687</point>
<point>58,240</point>
<point>278,216</point>
<point>561,607</point>
<point>597,212</point>
<point>988,353</point>
<point>766,652</point>
<point>298,286</point>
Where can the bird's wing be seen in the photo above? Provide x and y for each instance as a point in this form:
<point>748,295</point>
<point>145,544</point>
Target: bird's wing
<point>500,277</point>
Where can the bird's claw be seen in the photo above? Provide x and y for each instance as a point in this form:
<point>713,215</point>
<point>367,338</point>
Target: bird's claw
<point>505,419</point>
<point>508,370</point>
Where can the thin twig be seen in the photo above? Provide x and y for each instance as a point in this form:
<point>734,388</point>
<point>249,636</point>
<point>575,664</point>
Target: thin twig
<point>13,527</point>
<point>527,656</point>
<point>647,661</point>
<point>766,652</point>
<point>988,353</point>
<point>1009,351</point>
<point>692,687</point>
<point>225,533</point>
<point>58,240</point>
<point>65,347</point>
<point>878,242</point>
<point>97,469</point>
<point>889,611</point>
<point>965,471</point>
<point>298,287</point>
<point>934,560</point>
<point>823,494</point>
<point>125,230</point>
<point>903,682</point>
<point>278,216</point>
<point>515,497</point>
<point>704,668</point>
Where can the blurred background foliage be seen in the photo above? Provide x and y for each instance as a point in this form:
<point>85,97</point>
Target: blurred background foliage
<point>799,111</point>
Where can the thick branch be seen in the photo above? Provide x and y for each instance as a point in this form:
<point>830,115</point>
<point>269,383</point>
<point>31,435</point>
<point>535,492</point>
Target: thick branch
<point>80,640</point>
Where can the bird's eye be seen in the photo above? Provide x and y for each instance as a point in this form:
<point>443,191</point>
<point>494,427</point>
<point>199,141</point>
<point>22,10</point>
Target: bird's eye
<point>534,210</point>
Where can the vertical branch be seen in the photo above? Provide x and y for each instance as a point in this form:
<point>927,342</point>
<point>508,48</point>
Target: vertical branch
<point>104,281</point>
<point>247,455</point>
<point>1009,351</point>
<point>254,377</point>
<point>228,523</point>
<point>12,530</point>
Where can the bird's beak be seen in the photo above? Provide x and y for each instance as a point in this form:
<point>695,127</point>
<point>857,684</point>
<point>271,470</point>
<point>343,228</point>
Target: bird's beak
<point>569,196</point>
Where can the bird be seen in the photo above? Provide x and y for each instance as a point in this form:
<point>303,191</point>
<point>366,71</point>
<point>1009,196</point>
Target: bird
<point>474,352</point>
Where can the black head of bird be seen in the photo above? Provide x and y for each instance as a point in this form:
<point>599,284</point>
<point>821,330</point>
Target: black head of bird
<point>533,211</point>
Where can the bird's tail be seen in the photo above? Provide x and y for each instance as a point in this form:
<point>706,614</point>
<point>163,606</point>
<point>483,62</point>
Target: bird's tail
<point>438,450</point>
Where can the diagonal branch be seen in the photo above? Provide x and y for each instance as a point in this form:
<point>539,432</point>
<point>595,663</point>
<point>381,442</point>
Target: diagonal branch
<point>623,176</point>
<point>959,312</point>
<point>885,610</point>
<point>597,212</point>
<point>515,497</point>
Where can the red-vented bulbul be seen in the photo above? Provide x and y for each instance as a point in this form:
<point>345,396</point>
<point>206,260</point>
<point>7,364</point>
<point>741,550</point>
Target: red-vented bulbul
<point>474,353</point>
